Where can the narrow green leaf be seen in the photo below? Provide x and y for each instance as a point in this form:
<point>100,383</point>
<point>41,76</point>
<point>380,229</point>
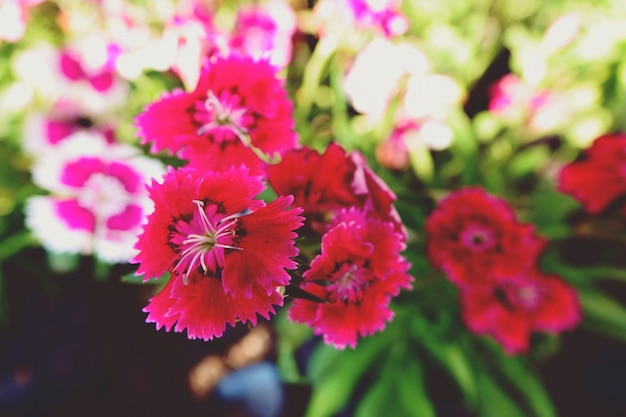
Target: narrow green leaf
<point>453,360</point>
<point>602,313</point>
<point>421,161</point>
<point>528,384</point>
<point>413,396</point>
<point>14,243</point>
<point>399,389</point>
<point>335,373</point>
<point>495,402</point>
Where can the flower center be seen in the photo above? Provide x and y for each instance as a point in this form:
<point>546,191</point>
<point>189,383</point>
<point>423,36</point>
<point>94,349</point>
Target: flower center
<point>349,283</point>
<point>103,195</point>
<point>477,238</point>
<point>222,116</point>
<point>524,297</point>
<point>528,296</point>
<point>203,239</point>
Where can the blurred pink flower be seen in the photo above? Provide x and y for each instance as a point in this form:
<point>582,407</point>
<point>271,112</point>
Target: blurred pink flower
<point>598,178</point>
<point>475,237</point>
<point>519,305</point>
<point>510,91</point>
<point>383,16</point>
<point>265,31</point>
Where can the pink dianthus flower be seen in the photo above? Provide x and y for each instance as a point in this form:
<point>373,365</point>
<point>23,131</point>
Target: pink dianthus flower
<point>323,184</point>
<point>265,31</point>
<point>474,237</point>
<point>357,273</point>
<point>238,104</point>
<point>516,306</point>
<point>226,252</point>
<point>599,177</point>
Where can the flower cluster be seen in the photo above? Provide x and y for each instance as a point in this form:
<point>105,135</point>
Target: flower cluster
<point>477,241</point>
<point>237,116</point>
<point>359,268</point>
<point>598,178</point>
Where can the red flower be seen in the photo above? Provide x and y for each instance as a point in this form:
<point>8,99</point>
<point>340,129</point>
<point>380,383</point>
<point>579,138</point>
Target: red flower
<point>357,273</point>
<point>517,306</point>
<point>600,176</point>
<point>237,104</point>
<point>220,245</point>
<point>474,237</point>
<point>324,184</point>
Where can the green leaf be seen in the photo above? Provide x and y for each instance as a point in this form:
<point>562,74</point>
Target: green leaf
<point>399,389</point>
<point>528,160</point>
<point>602,313</point>
<point>579,276</point>
<point>335,373</point>
<point>465,144</point>
<point>14,243</point>
<point>421,161</point>
<point>527,383</point>
<point>453,359</point>
<point>548,210</point>
<point>291,337</point>
<point>495,402</point>
<point>63,262</point>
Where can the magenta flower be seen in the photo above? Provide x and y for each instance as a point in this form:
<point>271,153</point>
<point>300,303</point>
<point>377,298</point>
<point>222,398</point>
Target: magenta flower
<point>515,100</point>
<point>357,273</point>
<point>223,249</point>
<point>238,104</point>
<point>474,237</point>
<point>599,177</point>
<point>516,306</point>
<point>265,31</point>
<point>98,201</point>
<point>323,184</point>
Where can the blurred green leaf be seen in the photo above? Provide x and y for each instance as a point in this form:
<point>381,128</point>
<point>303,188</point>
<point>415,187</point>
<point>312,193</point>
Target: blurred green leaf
<point>335,373</point>
<point>602,313</point>
<point>528,160</point>
<point>520,374</point>
<point>494,401</point>
<point>14,243</point>
<point>399,387</point>
<point>465,144</point>
<point>421,161</point>
<point>579,276</point>
<point>292,335</point>
<point>63,262</point>
<point>454,360</point>
<point>548,210</point>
